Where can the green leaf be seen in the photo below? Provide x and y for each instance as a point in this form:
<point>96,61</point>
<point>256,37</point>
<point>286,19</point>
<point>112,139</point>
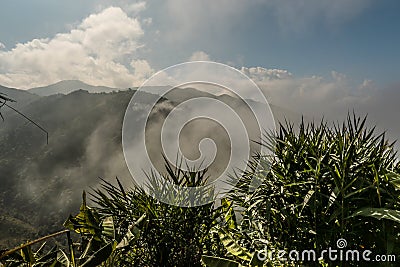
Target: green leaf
<point>87,221</point>
<point>211,261</point>
<point>126,240</point>
<point>108,227</point>
<point>357,191</point>
<point>378,213</point>
<point>99,256</point>
<point>307,199</point>
<point>394,178</point>
<point>133,231</point>
<point>233,247</point>
<point>63,259</point>
<point>332,198</point>
<point>230,216</point>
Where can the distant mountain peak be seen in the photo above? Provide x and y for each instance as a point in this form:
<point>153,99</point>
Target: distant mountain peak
<point>69,86</point>
<point>77,82</point>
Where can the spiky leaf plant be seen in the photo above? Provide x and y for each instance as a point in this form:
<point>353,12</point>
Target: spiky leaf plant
<point>324,183</point>
<point>152,233</point>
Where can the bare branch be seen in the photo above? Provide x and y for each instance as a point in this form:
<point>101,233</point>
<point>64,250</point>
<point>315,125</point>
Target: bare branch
<point>3,102</point>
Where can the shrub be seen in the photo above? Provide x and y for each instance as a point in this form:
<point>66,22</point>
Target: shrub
<point>323,184</point>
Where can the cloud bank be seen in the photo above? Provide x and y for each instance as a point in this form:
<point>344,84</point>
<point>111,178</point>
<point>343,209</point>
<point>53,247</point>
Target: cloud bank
<point>101,50</point>
<point>310,95</point>
<point>199,56</point>
<point>331,98</point>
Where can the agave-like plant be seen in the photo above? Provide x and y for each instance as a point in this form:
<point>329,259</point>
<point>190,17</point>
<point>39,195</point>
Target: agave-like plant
<point>152,233</point>
<point>324,183</point>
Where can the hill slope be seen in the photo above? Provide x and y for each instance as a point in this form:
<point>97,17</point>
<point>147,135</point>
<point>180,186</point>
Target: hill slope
<point>42,183</point>
<point>21,97</point>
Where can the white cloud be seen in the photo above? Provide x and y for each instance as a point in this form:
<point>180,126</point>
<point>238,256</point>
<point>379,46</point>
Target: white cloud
<point>340,77</point>
<point>147,21</point>
<point>199,56</point>
<point>259,74</point>
<point>134,8</point>
<point>142,69</point>
<point>331,98</point>
<point>97,51</point>
<point>367,85</point>
<point>2,46</point>
<point>313,96</point>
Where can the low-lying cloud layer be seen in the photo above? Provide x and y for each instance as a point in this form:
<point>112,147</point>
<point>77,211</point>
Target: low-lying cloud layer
<point>313,95</point>
<point>331,98</point>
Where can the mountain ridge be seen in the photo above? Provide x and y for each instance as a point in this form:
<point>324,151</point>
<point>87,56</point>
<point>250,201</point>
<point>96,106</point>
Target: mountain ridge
<point>68,86</point>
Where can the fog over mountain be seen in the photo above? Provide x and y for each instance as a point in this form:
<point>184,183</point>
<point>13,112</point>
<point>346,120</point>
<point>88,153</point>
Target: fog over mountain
<point>42,183</point>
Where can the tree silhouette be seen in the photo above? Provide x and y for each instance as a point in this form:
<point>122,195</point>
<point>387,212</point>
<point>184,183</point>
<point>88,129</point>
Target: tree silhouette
<point>3,102</point>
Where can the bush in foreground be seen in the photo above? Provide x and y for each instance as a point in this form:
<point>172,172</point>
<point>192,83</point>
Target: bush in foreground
<point>323,184</point>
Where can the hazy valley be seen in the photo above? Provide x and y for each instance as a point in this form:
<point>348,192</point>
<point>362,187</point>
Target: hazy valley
<point>42,183</point>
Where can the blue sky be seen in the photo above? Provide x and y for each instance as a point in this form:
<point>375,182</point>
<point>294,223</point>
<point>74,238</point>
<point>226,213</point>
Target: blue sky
<point>357,38</point>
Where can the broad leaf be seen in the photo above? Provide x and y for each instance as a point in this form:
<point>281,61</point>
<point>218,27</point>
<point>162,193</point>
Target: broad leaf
<point>233,247</point>
<point>378,213</point>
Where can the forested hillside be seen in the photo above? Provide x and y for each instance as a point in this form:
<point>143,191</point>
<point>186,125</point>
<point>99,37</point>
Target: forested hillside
<point>41,183</point>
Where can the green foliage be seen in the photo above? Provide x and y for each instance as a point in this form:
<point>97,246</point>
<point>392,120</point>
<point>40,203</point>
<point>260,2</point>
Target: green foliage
<point>27,257</point>
<point>151,233</point>
<point>323,184</point>
<point>129,227</point>
<point>231,238</point>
